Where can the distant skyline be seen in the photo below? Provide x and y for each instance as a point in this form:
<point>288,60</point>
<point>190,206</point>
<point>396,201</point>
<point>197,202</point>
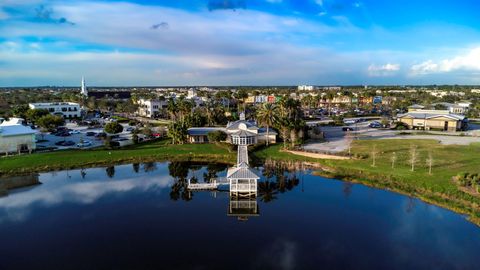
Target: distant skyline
<point>238,42</point>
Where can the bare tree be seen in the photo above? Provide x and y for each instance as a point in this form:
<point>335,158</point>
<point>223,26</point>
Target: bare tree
<point>413,156</point>
<point>393,158</point>
<point>374,154</point>
<point>430,162</point>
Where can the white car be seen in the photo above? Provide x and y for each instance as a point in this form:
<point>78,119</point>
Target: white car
<point>74,132</point>
<point>84,144</point>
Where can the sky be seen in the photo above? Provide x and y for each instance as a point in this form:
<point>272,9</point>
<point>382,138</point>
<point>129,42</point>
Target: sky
<point>239,42</point>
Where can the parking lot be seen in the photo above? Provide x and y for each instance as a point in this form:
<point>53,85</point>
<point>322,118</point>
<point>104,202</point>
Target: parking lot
<point>78,133</point>
<point>337,140</point>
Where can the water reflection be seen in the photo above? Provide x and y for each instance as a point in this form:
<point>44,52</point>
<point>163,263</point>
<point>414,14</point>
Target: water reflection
<point>114,223</point>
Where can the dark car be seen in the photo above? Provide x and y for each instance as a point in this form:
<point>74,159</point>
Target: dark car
<point>348,129</point>
<point>65,143</point>
<point>90,133</point>
<point>62,134</point>
<point>375,125</point>
<point>101,135</point>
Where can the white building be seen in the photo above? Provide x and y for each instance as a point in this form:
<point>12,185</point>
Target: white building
<point>64,109</point>
<point>150,107</point>
<point>15,137</point>
<point>84,90</point>
<point>306,87</point>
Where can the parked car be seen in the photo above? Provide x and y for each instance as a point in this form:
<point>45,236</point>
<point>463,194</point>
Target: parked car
<point>348,129</point>
<point>375,125</point>
<point>62,134</point>
<point>65,143</point>
<point>90,133</point>
<point>74,132</point>
<point>130,129</point>
<point>101,135</point>
<point>84,144</point>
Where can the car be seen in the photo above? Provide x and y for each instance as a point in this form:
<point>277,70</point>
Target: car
<point>375,125</point>
<point>62,134</point>
<point>129,129</point>
<point>90,133</point>
<point>156,135</point>
<point>84,144</point>
<point>348,129</point>
<point>65,143</point>
<point>101,135</point>
<point>74,132</point>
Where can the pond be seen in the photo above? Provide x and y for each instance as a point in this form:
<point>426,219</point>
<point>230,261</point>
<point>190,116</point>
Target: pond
<point>140,216</point>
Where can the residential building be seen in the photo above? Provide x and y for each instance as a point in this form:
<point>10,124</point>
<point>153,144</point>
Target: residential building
<point>65,109</point>
<point>306,88</point>
<point>15,137</point>
<point>238,130</point>
<point>150,107</point>
<point>433,120</point>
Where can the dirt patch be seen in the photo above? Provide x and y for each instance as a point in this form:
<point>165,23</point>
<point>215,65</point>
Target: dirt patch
<point>316,155</point>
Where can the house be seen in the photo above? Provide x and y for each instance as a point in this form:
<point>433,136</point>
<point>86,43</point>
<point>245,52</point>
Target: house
<point>150,107</point>
<point>200,134</point>
<point>242,128</point>
<point>63,109</point>
<point>433,119</point>
<point>15,137</point>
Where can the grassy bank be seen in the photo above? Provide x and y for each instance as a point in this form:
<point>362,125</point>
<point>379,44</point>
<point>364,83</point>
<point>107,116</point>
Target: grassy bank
<point>437,188</point>
<point>152,151</point>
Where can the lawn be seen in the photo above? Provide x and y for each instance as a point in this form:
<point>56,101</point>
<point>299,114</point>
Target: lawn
<point>152,151</point>
<point>448,160</point>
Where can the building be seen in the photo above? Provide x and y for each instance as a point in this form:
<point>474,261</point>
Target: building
<point>433,120</point>
<point>306,88</point>
<point>235,131</point>
<point>150,107</point>
<point>200,134</point>
<point>15,137</point>
<point>65,109</point>
<point>84,90</point>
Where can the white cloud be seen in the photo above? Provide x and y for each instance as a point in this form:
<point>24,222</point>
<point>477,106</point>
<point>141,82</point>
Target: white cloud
<point>383,70</point>
<point>319,2</point>
<point>468,61</point>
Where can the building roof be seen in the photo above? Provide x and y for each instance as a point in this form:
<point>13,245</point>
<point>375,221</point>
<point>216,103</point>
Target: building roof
<point>241,171</point>
<point>263,130</point>
<point>416,106</point>
<point>421,115</point>
<point>236,125</point>
<point>203,131</point>
<point>13,127</point>
<point>244,133</point>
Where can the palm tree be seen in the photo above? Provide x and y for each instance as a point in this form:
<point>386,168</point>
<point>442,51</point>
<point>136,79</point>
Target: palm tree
<point>267,115</point>
<point>172,108</point>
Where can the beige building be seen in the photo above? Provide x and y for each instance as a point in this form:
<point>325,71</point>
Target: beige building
<point>433,120</point>
<point>15,137</point>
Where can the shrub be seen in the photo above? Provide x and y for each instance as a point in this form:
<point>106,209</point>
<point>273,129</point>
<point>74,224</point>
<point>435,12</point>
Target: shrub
<point>113,128</point>
<point>217,136</point>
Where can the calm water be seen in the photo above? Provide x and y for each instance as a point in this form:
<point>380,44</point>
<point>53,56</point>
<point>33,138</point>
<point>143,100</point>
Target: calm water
<point>140,217</point>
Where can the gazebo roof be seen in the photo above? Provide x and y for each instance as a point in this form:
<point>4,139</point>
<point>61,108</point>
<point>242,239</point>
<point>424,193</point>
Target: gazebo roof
<point>244,133</point>
<point>242,171</point>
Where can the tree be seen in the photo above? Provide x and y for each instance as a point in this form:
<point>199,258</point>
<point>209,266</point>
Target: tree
<point>268,116</point>
<point>217,136</point>
<point>374,154</point>
<point>113,128</point>
<point>50,122</point>
<point>34,114</point>
<point>177,131</point>
<point>429,162</point>
<point>413,156</point>
<point>393,159</point>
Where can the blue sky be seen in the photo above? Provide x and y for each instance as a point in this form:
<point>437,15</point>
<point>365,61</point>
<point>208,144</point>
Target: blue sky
<point>239,42</point>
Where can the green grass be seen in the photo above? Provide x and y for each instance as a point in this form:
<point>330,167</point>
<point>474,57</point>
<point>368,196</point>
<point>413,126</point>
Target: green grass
<point>153,151</point>
<point>437,188</point>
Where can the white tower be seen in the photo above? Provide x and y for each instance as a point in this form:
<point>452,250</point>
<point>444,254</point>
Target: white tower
<point>84,90</point>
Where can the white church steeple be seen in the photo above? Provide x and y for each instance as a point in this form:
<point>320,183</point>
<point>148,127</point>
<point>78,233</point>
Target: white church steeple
<point>84,90</point>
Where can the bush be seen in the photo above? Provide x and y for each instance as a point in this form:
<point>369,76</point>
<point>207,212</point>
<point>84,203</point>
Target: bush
<point>113,128</point>
<point>217,136</point>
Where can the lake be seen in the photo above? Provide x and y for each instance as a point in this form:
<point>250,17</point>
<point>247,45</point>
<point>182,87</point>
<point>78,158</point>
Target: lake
<point>140,216</point>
